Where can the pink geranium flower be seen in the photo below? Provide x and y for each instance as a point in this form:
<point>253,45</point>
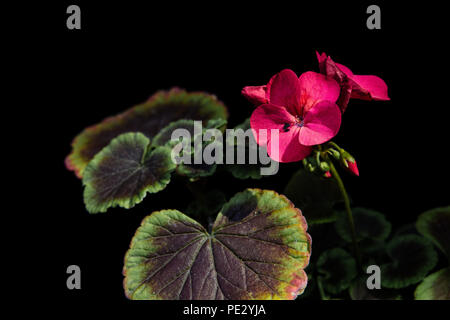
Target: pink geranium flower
<point>303,110</point>
<point>365,87</point>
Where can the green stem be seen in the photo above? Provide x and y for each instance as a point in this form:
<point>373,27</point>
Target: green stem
<point>348,209</point>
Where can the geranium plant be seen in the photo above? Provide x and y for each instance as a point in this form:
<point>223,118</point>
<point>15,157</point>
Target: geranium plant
<point>256,245</point>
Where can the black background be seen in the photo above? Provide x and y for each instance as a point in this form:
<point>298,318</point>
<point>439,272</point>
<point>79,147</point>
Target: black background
<point>126,51</point>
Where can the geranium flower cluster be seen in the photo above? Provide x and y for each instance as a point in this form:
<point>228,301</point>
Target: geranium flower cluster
<point>307,110</point>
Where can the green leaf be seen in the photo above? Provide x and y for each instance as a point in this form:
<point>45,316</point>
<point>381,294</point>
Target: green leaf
<point>194,171</point>
<point>245,170</point>
<point>434,287</point>
<point>315,195</point>
<point>369,224</point>
<point>216,123</point>
<point>163,138</point>
<point>124,171</point>
<point>149,118</point>
<point>191,169</point>
<point>412,257</point>
<point>257,249</point>
<point>435,225</point>
<point>336,268</point>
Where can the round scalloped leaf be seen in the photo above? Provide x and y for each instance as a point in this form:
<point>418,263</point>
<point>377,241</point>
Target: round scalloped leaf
<point>336,268</point>
<point>435,225</point>
<point>434,287</point>
<point>359,291</point>
<point>257,249</point>
<point>124,171</point>
<point>369,224</point>
<point>245,170</point>
<point>196,131</point>
<point>412,258</point>
<point>149,118</point>
<point>315,195</point>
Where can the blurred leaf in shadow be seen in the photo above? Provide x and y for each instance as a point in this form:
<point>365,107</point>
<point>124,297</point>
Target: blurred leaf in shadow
<point>369,224</point>
<point>314,195</point>
<point>405,229</point>
<point>435,225</point>
<point>411,258</point>
<point>336,269</point>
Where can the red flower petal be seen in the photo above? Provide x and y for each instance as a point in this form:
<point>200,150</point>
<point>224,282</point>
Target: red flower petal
<point>285,90</point>
<point>322,58</point>
<point>269,116</point>
<point>344,69</point>
<point>373,88</point>
<point>321,124</point>
<point>315,87</point>
<point>256,94</point>
<point>288,148</point>
<point>365,87</point>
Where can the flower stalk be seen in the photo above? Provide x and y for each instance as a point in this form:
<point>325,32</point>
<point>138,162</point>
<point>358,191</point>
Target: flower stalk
<point>335,175</point>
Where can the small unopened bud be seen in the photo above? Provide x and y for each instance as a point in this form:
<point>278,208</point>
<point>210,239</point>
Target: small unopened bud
<point>327,174</point>
<point>349,163</point>
<point>345,156</point>
<point>324,166</point>
<point>335,153</point>
<point>352,167</point>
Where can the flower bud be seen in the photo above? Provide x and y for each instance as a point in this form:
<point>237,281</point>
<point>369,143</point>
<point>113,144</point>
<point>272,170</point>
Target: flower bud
<point>352,167</point>
<point>324,166</point>
<point>335,153</point>
<point>349,163</point>
<point>346,157</point>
